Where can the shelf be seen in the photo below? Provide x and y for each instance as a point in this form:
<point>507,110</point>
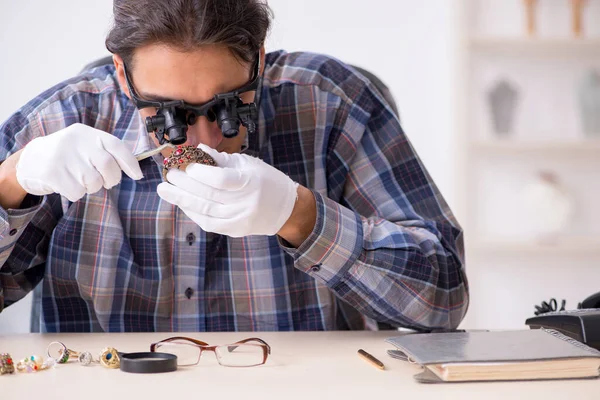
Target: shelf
<point>549,146</point>
<point>551,47</point>
<point>570,246</point>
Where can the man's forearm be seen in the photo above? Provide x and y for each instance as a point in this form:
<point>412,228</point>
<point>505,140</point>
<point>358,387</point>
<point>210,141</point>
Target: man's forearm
<point>400,273</point>
<point>11,193</point>
<point>302,221</point>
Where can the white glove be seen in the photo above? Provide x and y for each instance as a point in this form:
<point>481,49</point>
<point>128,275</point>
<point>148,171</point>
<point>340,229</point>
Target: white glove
<point>74,161</point>
<point>241,196</point>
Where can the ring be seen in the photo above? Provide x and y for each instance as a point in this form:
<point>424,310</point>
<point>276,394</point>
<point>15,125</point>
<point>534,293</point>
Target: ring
<point>85,358</point>
<point>109,358</point>
<point>73,353</point>
<point>185,155</point>
<point>7,365</point>
<point>32,364</point>
<point>63,353</point>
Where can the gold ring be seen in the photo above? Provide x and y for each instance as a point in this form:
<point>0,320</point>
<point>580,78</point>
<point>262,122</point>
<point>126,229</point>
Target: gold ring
<point>73,353</point>
<point>109,358</point>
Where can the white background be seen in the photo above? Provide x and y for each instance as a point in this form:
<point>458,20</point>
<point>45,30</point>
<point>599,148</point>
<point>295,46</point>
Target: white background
<point>408,44</point>
<point>518,267</point>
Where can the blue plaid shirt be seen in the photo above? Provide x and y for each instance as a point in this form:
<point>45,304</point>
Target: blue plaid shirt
<point>385,248</point>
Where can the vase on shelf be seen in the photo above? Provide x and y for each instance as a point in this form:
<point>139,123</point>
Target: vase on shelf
<point>589,103</point>
<point>502,101</point>
<point>577,17</point>
<point>530,6</point>
<point>549,207</point>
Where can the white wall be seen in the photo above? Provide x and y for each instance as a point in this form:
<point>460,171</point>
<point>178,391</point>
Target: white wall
<point>43,43</point>
<point>511,272</point>
<point>408,44</point>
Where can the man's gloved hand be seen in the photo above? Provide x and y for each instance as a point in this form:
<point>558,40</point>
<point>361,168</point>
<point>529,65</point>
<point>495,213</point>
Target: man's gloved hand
<point>74,161</point>
<point>241,196</point>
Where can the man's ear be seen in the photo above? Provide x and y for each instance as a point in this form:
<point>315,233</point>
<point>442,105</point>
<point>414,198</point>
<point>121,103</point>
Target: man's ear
<point>120,72</point>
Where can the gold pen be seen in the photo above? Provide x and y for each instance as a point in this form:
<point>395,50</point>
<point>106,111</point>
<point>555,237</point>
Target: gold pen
<point>370,359</point>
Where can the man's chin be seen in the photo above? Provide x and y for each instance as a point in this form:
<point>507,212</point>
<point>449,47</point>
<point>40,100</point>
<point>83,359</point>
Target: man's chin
<point>229,149</point>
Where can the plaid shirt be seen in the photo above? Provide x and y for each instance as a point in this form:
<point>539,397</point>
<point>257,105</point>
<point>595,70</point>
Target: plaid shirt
<point>385,247</point>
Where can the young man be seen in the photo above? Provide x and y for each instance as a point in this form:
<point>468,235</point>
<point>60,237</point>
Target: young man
<point>319,216</point>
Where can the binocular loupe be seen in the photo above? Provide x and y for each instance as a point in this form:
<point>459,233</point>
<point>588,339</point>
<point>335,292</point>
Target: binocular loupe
<point>173,117</point>
<point>170,124</point>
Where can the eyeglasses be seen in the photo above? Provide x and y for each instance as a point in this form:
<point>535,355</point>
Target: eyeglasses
<point>206,109</point>
<point>245,353</point>
<point>174,116</point>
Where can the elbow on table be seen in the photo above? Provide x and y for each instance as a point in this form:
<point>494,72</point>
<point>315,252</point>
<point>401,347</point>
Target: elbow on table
<point>449,313</point>
<point>441,305</point>
<point>426,317</point>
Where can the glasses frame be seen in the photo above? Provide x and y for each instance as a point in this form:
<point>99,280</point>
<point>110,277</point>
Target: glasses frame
<point>203,346</point>
<point>205,109</point>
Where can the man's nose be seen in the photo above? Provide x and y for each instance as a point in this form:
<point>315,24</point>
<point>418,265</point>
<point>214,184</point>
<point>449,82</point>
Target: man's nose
<point>204,131</point>
<point>202,126</point>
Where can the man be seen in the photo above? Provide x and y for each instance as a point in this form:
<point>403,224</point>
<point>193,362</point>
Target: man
<point>318,216</point>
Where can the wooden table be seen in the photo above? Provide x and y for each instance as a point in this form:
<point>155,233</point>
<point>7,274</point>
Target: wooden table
<point>303,365</point>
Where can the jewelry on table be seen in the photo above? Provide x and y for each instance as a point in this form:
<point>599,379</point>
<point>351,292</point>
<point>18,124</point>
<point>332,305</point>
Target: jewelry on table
<point>184,156</point>
<point>109,358</point>
<point>85,358</point>
<point>35,363</point>
<point>63,353</point>
<point>7,365</point>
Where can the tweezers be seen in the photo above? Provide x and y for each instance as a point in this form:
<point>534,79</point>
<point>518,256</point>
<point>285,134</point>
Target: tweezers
<point>150,153</point>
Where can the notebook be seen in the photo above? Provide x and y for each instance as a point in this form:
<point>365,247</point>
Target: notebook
<point>497,356</point>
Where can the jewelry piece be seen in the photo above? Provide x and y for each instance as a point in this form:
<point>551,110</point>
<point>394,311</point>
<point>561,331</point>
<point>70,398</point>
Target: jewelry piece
<point>37,360</point>
<point>185,155</point>
<point>35,364</point>
<point>85,358</point>
<point>109,358</point>
<point>26,365</point>
<point>49,363</point>
<point>6,364</point>
<point>63,352</point>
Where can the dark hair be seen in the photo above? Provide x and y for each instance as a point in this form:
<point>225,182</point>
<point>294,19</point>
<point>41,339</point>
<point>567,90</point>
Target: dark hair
<point>240,25</point>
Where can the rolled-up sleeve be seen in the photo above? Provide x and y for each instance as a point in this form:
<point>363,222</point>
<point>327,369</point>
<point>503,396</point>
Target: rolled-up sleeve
<point>390,246</point>
<point>13,223</point>
<point>16,279</point>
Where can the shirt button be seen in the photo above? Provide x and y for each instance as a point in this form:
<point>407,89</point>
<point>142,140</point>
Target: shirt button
<point>315,268</point>
<point>190,238</point>
<point>13,232</point>
<point>189,292</point>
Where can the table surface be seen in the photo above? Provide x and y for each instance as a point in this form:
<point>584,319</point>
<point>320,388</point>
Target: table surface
<point>303,365</point>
